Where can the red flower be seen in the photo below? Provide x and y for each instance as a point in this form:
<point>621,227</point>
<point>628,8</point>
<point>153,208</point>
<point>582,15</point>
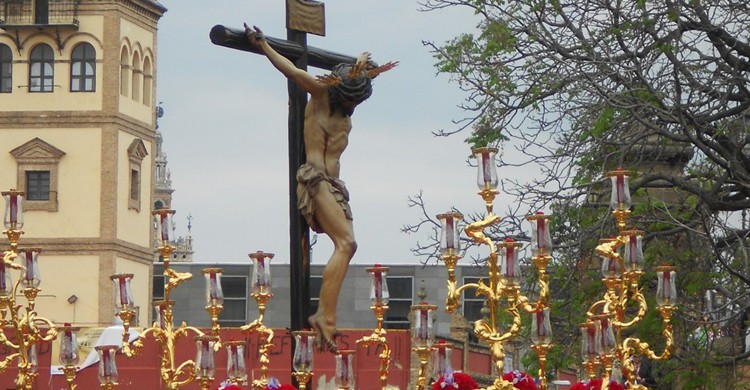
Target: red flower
<point>579,386</point>
<point>520,380</point>
<point>229,387</point>
<point>616,386</point>
<point>455,381</point>
<point>274,384</point>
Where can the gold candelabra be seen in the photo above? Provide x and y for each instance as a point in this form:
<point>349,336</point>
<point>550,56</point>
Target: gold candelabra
<point>302,362</point>
<point>205,366</point>
<point>163,331</point>
<point>30,328</point>
<point>261,286</point>
<point>622,269</point>
<point>344,376</point>
<point>107,373</point>
<point>69,356</point>
<point>422,339</point>
<point>503,276</point>
<point>379,296</point>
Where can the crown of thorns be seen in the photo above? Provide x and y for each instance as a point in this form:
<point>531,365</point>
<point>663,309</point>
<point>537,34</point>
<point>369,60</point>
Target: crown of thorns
<point>359,69</point>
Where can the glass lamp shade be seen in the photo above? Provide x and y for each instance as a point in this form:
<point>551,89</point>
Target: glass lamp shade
<point>541,240</point>
<point>107,365</point>
<point>541,328</point>
<point>441,359</point>
<point>486,170</point>
<point>68,346</point>
<point>160,310</point>
<point>633,250</point>
<point>510,267</point>
<point>163,221</point>
<point>6,281</point>
<point>666,287</point>
<point>590,340</point>
<point>261,272</point>
<point>450,235</point>
<point>205,365</point>
<point>33,358</point>
<point>29,258</point>
<point>123,294</point>
<point>13,209</point>
<point>620,189</point>
<point>423,333</point>
<point>345,369</point>
<point>611,268</point>
<point>235,360</point>
<point>304,346</point>
<point>607,333</point>
<point>379,295</point>
<point>214,294</point>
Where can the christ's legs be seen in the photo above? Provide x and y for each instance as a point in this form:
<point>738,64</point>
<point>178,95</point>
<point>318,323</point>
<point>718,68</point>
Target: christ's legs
<point>333,222</point>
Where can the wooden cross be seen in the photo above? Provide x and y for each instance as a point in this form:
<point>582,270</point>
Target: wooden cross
<point>302,17</point>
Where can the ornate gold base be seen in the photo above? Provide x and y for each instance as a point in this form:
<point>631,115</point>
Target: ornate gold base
<point>204,382</point>
<point>302,378</point>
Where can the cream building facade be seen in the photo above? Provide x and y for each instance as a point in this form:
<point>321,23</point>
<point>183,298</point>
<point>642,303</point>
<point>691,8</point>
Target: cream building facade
<point>78,125</point>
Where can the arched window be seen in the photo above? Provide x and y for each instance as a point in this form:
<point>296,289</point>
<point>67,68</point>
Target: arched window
<point>124,72</point>
<point>147,80</point>
<point>6,69</point>
<point>42,69</point>
<point>136,95</point>
<point>83,68</point>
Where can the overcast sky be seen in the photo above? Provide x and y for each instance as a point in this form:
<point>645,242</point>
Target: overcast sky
<point>225,127</point>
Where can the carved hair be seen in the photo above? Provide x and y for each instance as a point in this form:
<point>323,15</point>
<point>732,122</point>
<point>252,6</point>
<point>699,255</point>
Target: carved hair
<point>352,82</point>
<point>354,90</point>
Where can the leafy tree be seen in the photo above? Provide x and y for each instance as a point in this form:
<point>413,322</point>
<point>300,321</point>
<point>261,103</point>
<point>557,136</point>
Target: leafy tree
<point>576,88</point>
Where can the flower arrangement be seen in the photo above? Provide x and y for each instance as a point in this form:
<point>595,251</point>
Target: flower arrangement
<point>227,385</point>
<point>274,384</point>
<point>596,384</point>
<point>520,380</point>
<point>455,381</point>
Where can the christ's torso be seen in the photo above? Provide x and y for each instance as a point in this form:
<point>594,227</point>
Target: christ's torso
<point>326,135</point>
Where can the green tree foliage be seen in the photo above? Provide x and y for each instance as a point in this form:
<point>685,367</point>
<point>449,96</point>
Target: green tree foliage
<point>581,87</point>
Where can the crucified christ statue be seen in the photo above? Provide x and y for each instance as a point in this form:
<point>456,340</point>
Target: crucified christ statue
<point>322,197</point>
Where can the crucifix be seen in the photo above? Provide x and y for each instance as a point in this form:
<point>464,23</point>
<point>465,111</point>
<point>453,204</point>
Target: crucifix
<point>318,134</point>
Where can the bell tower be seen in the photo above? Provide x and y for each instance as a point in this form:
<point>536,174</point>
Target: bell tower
<point>78,123</point>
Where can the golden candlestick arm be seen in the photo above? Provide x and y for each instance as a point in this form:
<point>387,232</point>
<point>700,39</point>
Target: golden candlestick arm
<point>261,287</point>
<point>379,296</point>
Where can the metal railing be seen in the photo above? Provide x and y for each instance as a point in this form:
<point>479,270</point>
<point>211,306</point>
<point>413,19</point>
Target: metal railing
<point>19,13</point>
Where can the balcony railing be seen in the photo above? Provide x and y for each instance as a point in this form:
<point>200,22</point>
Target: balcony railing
<point>36,13</point>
